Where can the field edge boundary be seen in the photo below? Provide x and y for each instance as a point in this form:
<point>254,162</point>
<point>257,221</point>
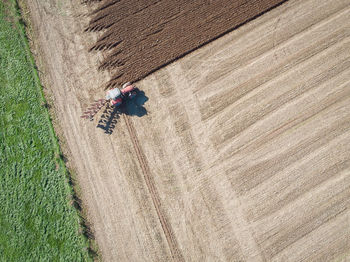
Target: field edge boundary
<point>22,21</point>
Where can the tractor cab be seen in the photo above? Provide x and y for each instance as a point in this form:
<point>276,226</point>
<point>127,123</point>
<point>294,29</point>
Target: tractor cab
<point>114,96</point>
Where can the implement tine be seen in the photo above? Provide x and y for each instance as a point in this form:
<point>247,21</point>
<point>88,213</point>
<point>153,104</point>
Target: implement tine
<point>94,108</point>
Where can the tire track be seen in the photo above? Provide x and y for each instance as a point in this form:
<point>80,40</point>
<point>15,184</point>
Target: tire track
<point>170,237</point>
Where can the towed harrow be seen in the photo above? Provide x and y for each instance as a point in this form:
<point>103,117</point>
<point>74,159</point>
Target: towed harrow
<point>94,108</point>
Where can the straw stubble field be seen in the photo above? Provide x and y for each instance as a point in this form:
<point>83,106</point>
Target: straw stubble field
<point>243,154</point>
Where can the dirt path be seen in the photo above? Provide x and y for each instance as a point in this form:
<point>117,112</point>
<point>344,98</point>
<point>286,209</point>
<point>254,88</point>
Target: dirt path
<point>243,155</point>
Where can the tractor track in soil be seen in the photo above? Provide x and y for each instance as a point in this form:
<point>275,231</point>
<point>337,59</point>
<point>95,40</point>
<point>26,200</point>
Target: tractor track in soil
<point>168,232</point>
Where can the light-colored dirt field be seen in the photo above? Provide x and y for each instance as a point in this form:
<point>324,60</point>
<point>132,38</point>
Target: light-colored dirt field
<point>244,154</point>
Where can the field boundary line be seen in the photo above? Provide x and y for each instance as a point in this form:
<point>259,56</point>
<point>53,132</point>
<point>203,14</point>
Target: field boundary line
<point>31,60</point>
<point>170,237</point>
<point>23,22</point>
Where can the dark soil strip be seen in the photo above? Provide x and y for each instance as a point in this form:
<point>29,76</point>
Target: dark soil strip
<point>142,36</point>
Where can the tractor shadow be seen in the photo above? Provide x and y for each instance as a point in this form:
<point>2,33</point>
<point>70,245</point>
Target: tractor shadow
<point>133,107</point>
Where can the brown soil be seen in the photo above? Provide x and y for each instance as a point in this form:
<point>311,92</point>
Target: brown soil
<point>142,36</point>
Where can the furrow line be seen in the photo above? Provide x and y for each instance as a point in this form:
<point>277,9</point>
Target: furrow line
<point>172,243</point>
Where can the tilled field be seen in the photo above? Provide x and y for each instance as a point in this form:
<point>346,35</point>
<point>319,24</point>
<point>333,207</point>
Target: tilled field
<point>243,155</point>
<point>142,36</point>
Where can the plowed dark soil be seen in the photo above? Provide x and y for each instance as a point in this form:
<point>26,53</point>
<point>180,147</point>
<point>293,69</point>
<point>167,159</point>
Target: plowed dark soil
<point>142,36</point>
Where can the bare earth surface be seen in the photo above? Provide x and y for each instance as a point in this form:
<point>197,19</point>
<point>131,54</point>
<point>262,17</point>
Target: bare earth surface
<point>244,154</point>
<point>163,30</point>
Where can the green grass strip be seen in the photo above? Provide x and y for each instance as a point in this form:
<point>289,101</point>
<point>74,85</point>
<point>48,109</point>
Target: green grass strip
<point>37,219</point>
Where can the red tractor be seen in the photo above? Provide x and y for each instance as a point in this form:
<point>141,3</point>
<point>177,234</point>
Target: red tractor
<point>115,96</point>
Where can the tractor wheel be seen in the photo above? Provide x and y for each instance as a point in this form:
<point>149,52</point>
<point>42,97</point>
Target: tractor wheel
<point>126,84</point>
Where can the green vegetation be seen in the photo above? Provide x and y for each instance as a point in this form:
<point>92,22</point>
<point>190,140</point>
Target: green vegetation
<point>37,219</point>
